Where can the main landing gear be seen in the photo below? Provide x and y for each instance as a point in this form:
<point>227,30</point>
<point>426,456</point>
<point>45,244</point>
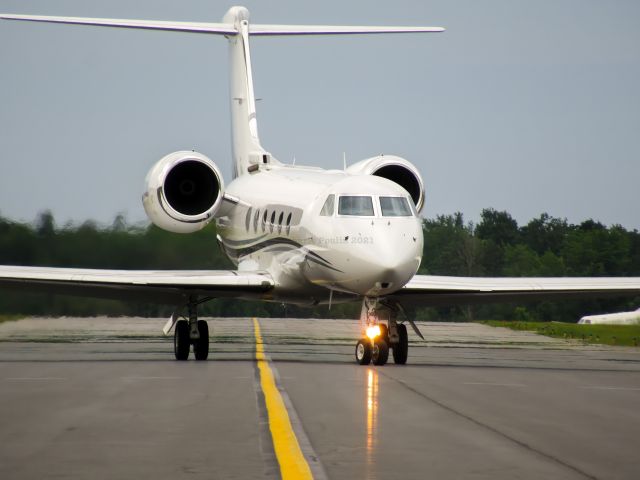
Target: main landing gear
<point>191,332</point>
<point>381,337</point>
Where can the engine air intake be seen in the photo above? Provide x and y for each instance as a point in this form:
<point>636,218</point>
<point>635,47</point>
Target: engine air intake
<point>191,187</point>
<point>183,192</point>
<point>405,178</point>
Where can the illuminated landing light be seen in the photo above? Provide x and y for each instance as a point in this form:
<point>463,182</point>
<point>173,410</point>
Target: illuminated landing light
<point>373,331</point>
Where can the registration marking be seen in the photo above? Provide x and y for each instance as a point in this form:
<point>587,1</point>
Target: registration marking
<point>292,463</point>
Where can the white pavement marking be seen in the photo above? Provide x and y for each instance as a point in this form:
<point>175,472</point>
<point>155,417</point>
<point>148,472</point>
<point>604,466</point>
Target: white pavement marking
<point>152,378</point>
<point>596,387</point>
<point>28,379</point>
<point>495,384</point>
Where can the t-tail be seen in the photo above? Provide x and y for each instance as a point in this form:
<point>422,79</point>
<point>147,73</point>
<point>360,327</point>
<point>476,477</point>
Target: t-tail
<point>245,144</point>
<point>248,153</point>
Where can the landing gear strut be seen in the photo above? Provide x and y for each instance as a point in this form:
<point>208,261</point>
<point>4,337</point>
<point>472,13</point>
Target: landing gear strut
<point>191,332</point>
<point>380,336</point>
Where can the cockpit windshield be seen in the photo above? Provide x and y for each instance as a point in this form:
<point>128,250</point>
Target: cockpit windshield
<point>360,206</point>
<point>395,207</point>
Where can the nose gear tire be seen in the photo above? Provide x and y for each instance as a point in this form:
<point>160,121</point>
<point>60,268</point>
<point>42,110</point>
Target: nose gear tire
<point>380,352</point>
<point>363,351</point>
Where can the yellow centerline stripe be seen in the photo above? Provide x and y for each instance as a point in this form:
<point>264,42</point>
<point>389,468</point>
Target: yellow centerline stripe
<point>292,463</point>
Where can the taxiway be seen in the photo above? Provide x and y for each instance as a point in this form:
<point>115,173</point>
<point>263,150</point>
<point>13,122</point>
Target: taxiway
<point>103,398</point>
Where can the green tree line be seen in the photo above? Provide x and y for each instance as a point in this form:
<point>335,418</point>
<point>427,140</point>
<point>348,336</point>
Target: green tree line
<point>495,246</point>
<point>546,247</point>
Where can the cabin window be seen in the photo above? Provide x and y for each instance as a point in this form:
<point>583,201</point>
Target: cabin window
<point>395,207</point>
<point>359,206</point>
<point>247,221</point>
<point>256,218</point>
<point>288,223</point>
<point>329,206</point>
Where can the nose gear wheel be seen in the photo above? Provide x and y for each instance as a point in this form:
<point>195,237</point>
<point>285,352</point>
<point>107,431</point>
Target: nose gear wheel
<point>363,351</point>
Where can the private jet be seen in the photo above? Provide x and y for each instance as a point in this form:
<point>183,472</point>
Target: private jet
<point>297,234</point>
<point>618,318</point>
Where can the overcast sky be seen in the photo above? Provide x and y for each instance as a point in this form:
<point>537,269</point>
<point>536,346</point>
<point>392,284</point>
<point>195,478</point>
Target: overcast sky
<point>526,106</point>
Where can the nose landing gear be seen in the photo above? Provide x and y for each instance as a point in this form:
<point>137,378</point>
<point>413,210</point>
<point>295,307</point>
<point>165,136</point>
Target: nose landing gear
<point>380,337</point>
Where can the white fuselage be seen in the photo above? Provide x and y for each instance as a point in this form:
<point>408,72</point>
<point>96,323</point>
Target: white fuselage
<point>274,223</point>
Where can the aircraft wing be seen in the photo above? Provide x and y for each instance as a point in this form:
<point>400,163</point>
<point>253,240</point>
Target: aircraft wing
<point>159,286</point>
<point>432,290</point>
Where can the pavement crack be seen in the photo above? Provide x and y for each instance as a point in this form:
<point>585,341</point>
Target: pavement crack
<point>490,428</point>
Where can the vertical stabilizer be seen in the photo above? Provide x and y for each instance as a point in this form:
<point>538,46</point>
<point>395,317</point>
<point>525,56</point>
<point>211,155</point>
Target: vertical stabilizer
<point>245,144</point>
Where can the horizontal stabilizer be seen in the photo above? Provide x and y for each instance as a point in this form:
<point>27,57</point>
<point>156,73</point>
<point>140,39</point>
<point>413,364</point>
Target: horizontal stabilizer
<point>257,29</point>
<point>221,28</point>
<point>196,27</point>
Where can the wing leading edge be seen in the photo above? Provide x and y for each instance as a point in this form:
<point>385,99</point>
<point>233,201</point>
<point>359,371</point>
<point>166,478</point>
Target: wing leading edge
<point>431,290</point>
<point>158,286</point>
<point>175,286</point>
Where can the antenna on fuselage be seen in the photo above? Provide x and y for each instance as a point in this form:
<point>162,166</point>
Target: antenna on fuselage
<point>344,160</point>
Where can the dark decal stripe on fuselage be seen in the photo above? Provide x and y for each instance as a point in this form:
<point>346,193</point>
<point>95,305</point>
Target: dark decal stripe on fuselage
<point>279,241</point>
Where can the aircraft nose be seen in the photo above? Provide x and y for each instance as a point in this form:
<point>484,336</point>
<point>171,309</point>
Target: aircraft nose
<point>386,262</point>
<point>393,265</point>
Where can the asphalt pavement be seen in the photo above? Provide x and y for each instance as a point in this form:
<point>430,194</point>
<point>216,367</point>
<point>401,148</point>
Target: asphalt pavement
<point>103,398</point>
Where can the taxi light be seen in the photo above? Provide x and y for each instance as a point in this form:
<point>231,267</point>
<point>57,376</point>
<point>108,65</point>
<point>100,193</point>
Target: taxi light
<point>373,331</point>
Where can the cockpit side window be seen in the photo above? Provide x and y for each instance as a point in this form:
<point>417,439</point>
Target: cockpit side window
<point>329,206</point>
<point>360,206</point>
<point>395,207</point>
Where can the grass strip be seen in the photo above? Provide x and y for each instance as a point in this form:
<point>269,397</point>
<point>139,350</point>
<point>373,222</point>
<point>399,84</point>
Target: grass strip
<point>10,318</point>
<point>624,335</point>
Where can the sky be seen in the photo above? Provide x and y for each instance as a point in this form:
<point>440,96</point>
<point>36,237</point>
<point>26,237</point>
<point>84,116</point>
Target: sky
<point>522,106</point>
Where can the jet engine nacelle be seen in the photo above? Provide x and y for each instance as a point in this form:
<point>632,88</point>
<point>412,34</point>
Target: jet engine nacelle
<point>183,192</point>
<point>396,169</point>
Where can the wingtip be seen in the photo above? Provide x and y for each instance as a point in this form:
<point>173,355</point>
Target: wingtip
<point>13,16</point>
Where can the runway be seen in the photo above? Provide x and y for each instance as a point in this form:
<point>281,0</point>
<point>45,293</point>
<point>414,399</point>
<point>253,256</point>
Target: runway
<point>103,398</point>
